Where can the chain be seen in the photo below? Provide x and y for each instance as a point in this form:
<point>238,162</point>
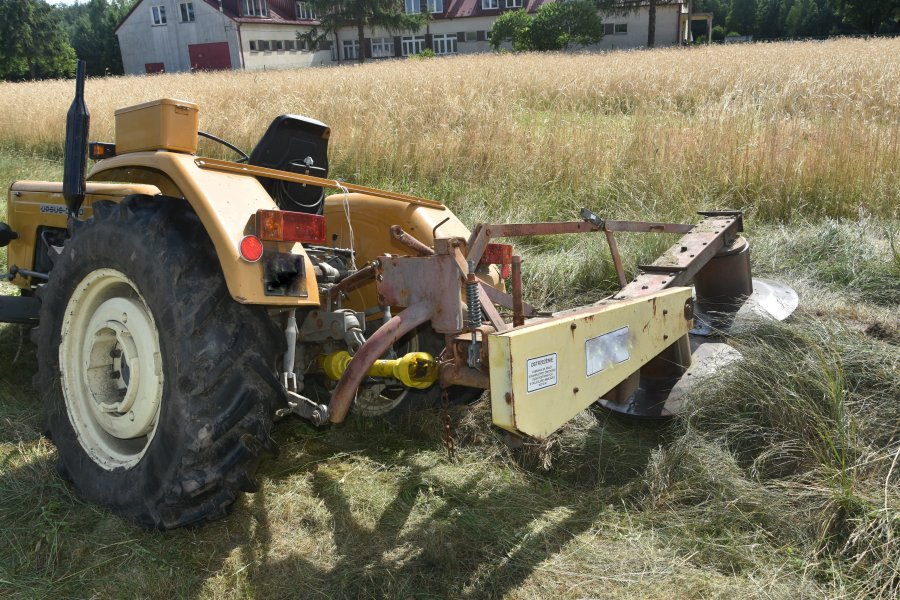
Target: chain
<point>447,437</point>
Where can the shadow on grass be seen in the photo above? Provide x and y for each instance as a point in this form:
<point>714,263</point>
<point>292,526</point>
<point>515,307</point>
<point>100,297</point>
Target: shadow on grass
<point>370,510</point>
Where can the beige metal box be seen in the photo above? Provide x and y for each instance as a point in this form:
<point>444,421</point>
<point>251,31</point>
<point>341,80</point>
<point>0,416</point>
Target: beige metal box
<point>164,124</point>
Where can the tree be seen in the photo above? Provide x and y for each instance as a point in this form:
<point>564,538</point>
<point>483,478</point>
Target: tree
<point>361,14</point>
<point>514,27</point>
<point>868,14</point>
<point>742,16</point>
<point>555,26</point>
<point>92,34</point>
<point>33,42</point>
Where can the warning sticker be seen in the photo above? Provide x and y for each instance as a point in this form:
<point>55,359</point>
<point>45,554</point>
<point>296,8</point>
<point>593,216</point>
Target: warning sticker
<point>541,372</point>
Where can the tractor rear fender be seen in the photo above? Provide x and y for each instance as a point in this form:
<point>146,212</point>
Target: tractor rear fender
<point>226,205</point>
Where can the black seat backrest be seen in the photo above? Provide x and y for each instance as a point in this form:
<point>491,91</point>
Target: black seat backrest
<point>298,145</point>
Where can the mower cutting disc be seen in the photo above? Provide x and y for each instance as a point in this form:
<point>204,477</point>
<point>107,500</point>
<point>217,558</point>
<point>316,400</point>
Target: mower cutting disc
<point>771,299</point>
<point>652,400</point>
<point>658,399</point>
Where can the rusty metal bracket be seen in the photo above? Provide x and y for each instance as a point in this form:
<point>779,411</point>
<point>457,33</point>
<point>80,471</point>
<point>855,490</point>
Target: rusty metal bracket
<point>488,309</point>
<point>506,300</point>
<point>431,281</point>
<point>679,264</point>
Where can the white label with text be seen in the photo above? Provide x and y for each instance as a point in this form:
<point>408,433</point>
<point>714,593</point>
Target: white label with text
<point>541,372</point>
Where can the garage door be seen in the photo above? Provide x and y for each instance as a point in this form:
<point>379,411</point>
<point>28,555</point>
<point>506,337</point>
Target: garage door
<point>210,57</point>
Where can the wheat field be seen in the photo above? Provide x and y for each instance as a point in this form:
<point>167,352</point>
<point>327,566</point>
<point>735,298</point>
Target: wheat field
<point>782,130</point>
<point>780,480</point>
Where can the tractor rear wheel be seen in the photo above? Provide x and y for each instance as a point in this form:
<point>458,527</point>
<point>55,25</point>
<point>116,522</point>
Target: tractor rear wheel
<point>158,387</point>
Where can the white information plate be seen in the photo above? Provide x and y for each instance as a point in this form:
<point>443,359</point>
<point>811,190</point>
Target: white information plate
<point>606,350</point>
<point>542,372</point>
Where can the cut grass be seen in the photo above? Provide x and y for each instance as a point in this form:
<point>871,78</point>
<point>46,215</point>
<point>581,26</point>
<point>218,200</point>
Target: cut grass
<point>774,484</point>
<point>781,480</point>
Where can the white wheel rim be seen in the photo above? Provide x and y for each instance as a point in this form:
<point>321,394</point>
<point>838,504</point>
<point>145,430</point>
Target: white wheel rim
<point>111,367</point>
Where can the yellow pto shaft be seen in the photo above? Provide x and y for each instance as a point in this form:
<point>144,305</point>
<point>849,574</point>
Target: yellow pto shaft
<point>416,369</point>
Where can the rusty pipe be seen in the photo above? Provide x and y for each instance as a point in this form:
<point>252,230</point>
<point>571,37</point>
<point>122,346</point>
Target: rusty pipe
<point>348,283</point>
<point>617,260</point>
<point>410,242</point>
<point>371,351</point>
<point>517,304</point>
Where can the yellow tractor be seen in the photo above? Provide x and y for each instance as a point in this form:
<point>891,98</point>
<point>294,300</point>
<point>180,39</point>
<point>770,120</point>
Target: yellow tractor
<point>181,303</point>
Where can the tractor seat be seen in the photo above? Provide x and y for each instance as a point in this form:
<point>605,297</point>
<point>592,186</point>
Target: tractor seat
<point>298,145</point>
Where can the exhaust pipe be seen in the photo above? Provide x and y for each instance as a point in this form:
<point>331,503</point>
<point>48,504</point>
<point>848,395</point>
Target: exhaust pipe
<point>78,122</point>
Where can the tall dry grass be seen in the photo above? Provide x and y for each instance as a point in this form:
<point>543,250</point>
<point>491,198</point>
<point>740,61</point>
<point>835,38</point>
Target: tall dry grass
<point>783,129</point>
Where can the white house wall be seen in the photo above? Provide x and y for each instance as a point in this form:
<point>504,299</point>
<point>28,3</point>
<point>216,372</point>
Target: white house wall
<point>667,25</point>
<point>277,59</point>
<point>142,42</point>
<point>667,22</point>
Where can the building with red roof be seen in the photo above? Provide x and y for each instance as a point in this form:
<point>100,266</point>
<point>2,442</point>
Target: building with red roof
<point>188,35</point>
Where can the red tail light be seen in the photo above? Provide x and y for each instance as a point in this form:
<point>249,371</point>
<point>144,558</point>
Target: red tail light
<point>285,226</point>
<point>251,248</point>
<point>498,254</point>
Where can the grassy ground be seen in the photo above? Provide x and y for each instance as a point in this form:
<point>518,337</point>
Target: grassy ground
<point>783,478</point>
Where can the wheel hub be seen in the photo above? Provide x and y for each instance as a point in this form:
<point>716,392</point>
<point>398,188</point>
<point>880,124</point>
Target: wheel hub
<point>111,366</point>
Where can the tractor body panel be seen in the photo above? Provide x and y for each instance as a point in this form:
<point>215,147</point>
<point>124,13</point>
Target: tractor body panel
<point>543,374</point>
<point>226,204</point>
<point>33,205</point>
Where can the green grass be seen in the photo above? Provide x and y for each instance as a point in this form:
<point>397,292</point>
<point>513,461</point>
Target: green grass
<point>780,480</point>
<point>776,483</point>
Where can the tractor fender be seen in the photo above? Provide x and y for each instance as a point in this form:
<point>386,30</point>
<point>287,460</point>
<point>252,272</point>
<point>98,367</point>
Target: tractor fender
<point>226,205</point>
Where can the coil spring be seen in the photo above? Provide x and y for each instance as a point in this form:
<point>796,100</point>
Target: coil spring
<point>473,300</point>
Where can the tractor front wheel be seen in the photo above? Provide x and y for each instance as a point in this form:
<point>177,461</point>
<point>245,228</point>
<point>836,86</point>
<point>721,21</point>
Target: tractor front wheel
<point>158,387</point>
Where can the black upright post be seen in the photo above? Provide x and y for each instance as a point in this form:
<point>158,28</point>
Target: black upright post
<point>78,123</point>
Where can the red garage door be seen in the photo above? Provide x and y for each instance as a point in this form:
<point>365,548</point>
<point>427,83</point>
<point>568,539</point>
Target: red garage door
<point>210,57</point>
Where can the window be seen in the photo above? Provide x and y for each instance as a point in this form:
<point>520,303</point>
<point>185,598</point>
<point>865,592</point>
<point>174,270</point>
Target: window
<point>436,6</point>
<point>253,47</point>
<point>621,28</point>
<point>608,29</point>
<point>489,4</point>
<point>263,45</point>
<point>305,11</point>
<point>513,3</point>
<point>351,49</point>
<point>471,36</point>
<point>159,15</point>
<point>413,7</point>
<point>255,8</point>
<point>444,44</point>
<point>413,45</point>
<point>277,45</point>
<point>187,12</point>
<point>382,47</point>
<point>290,45</point>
